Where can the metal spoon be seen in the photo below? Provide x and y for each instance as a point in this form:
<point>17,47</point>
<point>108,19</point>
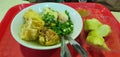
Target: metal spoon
<point>77,46</point>
<point>64,49</point>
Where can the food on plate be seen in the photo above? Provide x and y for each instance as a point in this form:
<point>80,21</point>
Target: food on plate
<point>104,30</point>
<point>48,37</point>
<point>97,41</point>
<point>45,27</point>
<point>62,25</point>
<point>51,13</point>
<point>62,17</point>
<point>91,24</point>
<point>33,23</point>
<point>30,14</point>
<point>96,34</point>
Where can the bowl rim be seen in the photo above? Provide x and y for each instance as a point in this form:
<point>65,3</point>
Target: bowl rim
<point>57,45</point>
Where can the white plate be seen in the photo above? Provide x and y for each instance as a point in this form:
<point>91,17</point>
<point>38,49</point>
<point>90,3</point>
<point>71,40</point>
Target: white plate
<point>18,21</point>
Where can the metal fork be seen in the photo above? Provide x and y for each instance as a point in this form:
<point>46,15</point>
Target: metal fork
<point>77,46</point>
<point>64,49</point>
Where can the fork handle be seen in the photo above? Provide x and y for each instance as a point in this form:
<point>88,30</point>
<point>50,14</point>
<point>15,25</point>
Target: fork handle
<point>64,49</point>
<point>78,47</point>
<point>80,50</point>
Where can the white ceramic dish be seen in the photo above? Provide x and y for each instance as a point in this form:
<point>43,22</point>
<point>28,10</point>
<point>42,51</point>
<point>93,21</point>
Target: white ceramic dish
<point>18,21</point>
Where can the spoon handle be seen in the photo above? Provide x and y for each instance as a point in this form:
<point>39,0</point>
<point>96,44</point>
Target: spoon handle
<point>78,47</point>
<point>64,49</point>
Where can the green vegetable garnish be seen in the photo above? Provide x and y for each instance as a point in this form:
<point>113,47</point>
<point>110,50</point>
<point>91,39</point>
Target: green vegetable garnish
<point>63,28</point>
<point>67,13</point>
<point>60,28</point>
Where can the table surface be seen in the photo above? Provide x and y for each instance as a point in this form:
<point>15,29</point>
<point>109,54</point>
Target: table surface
<point>7,42</point>
<point>5,5</point>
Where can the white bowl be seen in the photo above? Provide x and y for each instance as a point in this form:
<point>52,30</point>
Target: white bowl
<point>18,21</point>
